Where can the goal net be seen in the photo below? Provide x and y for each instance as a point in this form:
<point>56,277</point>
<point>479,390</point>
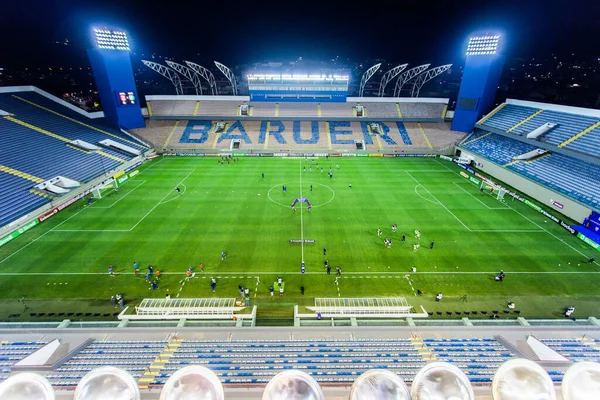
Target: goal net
<point>493,190</point>
<point>104,190</point>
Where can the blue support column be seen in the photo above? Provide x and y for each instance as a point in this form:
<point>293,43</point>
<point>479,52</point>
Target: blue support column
<point>113,74</point>
<point>477,91</point>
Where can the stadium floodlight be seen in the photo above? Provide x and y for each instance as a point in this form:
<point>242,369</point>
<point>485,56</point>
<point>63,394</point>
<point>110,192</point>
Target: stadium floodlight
<point>206,74</point>
<point>187,72</point>
<point>111,40</point>
<point>229,75</point>
<point>167,73</point>
<point>421,79</point>
<point>388,76</point>
<point>295,77</point>
<point>483,45</point>
<point>407,76</point>
<point>365,78</point>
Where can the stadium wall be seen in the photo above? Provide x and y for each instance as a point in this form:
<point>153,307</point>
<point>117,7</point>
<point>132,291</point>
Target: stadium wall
<point>546,196</point>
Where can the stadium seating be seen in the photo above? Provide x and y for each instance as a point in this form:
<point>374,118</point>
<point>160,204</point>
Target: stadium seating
<point>575,349</point>
<point>521,120</point>
<point>13,352</point>
<point>477,358</point>
<point>336,109</point>
<point>15,198</point>
<point>217,108</point>
<point>132,356</point>
<point>65,121</point>
<point>297,109</point>
<point>299,135</point>
<point>499,149</point>
<point>572,177</point>
<point>262,109</point>
<point>422,110</point>
<point>35,143</point>
<point>257,361</point>
<point>382,110</point>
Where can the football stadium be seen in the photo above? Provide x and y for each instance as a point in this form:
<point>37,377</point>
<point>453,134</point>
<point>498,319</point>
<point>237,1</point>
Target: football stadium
<point>277,238</point>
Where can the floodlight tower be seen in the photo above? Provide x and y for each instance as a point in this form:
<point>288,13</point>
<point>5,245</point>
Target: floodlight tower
<point>479,83</point>
<point>111,65</point>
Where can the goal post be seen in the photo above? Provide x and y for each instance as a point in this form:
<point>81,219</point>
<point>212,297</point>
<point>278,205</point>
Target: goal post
<point>102,190</point>
<point>493,190</point>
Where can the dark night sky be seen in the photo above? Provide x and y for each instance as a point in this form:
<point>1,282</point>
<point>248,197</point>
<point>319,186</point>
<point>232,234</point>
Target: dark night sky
<point>250,31</point>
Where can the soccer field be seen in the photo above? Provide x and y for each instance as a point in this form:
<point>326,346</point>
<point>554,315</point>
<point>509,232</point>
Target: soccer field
<point>63,263</point>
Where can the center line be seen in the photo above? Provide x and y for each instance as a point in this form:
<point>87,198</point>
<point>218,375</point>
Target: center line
<point>301,218</point>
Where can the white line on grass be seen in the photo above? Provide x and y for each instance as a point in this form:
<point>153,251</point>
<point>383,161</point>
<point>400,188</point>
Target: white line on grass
<point>475,197</point>
<point>121,230</point>
<point>179,194</point>
<point>338,286</point>
<point>437,161</point>
<point>426,199</point>
<point>256,288</point>
<point>353,274</point>
<point>301,218</point>
<point>39,237</point>
<point>121,198</point>
<point>410,283</point>
<point>446,208</point>
<point>549,233</point>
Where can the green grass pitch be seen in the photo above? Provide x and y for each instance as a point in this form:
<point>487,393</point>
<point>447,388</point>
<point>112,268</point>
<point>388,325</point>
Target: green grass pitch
<point>62,265</point>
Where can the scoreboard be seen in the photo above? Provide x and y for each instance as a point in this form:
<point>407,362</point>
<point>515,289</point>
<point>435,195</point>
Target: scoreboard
<point>126,98</point>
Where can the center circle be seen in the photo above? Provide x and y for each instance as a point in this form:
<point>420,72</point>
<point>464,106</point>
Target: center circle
<point>309,183</point>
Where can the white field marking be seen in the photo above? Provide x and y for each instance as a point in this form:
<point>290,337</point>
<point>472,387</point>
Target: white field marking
<point>178,194</point>
<point>154,165</point>
<point>427,170</point>
<point>314,206</point>
<point>120,198</point>
<point>475,197</point>
<point>549,233</point>
<point>446,208</point>
<point>338,286</point>
<point>426,199</point>
<point>436,160</point>
<point>410,283</point>
<point>360,275</point>
<point>39,237</point>
<point>124,230</point>
<point>301,218</point>
<point>256,288</point>
<point>55,230</point>
<point>507,230</point>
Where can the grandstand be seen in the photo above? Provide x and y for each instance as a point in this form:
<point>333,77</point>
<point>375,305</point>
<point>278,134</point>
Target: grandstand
<point>576,129</point>
<point>387,109</point>
<point>333,359</point>
<point>569,167</point>
<point>38,144</point>
<point>300,135</point>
